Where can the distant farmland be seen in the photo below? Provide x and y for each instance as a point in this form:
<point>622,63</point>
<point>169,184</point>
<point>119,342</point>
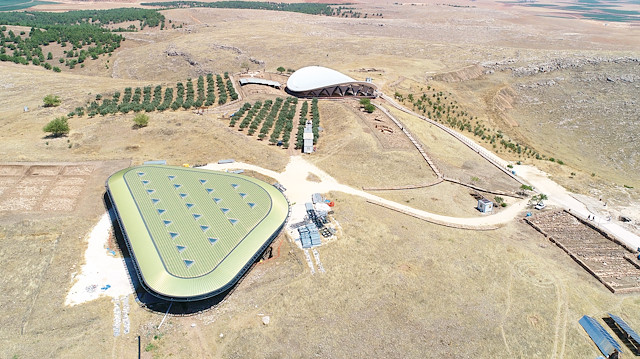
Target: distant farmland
<point>591,9</point>
<point>9,5</point>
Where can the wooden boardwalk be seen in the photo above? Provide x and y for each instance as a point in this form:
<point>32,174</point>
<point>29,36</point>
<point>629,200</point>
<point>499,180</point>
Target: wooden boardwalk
<point>484,153</point>
<point>433,221</point>
<point>411,186</point>
<point>413,140</point>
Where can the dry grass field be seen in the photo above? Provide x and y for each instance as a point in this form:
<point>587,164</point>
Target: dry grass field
<point>349,149</point>
<point>395,286</point>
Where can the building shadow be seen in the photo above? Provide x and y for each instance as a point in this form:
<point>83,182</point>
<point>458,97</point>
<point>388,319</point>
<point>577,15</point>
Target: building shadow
<point>152,302</point>
<point>624,338</point>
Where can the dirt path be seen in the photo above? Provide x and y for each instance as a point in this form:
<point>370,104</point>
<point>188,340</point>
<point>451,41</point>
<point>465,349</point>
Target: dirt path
<point>195,19</point>
<point>538,179</point>
<point>563,198</point>
<point>560,334</point>
<point>299,191</point>
<point>506,314</point>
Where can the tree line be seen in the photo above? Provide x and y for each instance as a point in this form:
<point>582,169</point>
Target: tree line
<point>157,98</point>
<point>81,33</point>
<point>44,20</point>
<point>441,107</point>
<point>305,8</point>
<point>304,110</point>
<point>274,117</point>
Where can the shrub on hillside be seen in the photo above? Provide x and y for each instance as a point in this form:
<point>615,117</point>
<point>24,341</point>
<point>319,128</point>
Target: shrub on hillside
<point>51,101</point>
<point>57,127</point>
<point>140,120</point>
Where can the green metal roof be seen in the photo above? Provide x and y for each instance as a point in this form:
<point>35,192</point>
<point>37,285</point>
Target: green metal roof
<point>194,232</point>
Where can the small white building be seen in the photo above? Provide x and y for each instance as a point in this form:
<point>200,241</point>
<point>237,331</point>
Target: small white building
<point>485,206</point>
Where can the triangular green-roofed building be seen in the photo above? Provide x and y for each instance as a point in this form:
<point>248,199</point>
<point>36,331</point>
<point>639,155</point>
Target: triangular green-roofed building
<point>214,251</point>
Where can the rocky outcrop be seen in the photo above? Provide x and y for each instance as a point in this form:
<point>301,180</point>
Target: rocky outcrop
<point>556,64</point>
<point>173,51</point>
<point>228,48</point>
<point>503,102</point>
<point>463,74</point>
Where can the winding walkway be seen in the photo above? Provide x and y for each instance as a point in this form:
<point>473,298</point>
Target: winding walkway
<point>557,194</point>
<point>486,154</point>
<point>299,191</point>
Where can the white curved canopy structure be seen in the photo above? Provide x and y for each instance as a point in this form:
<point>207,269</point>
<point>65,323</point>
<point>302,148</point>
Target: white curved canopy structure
<point>318,81</point>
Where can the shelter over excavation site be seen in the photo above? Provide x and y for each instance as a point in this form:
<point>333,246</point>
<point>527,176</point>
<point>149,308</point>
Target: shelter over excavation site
<point>318,81</point>
<point>193,233</point>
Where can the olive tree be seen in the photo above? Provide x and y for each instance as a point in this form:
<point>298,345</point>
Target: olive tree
<point>57,127</point>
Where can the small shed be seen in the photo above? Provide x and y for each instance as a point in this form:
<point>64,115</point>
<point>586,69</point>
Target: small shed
<point>485,206</point>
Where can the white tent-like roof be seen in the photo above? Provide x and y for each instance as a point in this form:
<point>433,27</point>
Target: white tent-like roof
<point>314,77</point>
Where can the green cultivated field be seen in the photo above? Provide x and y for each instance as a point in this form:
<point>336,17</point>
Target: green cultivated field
<point>9,5</point>
<point>592,9</point>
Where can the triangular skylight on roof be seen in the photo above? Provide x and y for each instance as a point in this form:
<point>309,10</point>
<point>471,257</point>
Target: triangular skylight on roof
<point>234,185</point>
<point>154,200</point>
<point>177,185</point>
<point>140,174</point>
<point>166,223</point>
<point>212,240</point>
<point>172,177</point>
<point>197,216</point>
<point>224,210</point>
<point>189,205</point>
<point>161,211</point>
<point>251,204</point>
<point>204,228</point>
<point>243,195</point>
<point>183,195</point>
<point>145,182</point>
<point>217,200</point>
<point>209,190</point>
<point>203,181</point>
<point>181,248</point>
<point>150,191</point>
<point>188,263</point>
<point>233,221</point>
<point>173,235</point>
